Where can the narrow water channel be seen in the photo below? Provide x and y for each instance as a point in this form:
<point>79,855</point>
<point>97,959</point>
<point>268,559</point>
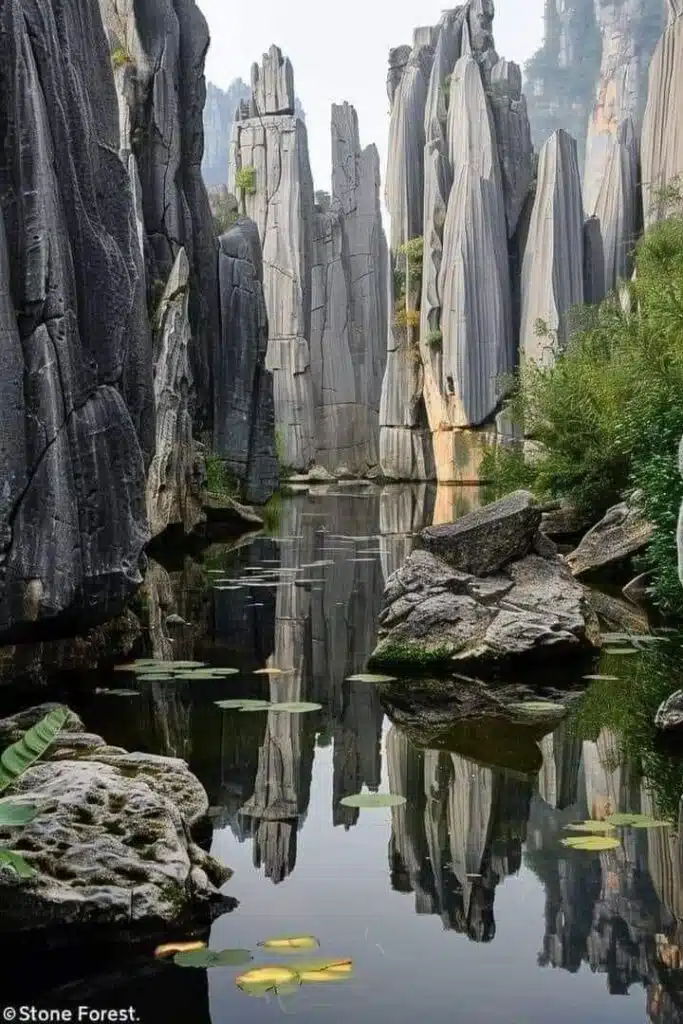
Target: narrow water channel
<point>461,904</point>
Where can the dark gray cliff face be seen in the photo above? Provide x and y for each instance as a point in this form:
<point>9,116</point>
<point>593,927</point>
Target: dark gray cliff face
<point>158,49</point>
<point>245,410</point>
<point>76,432</point>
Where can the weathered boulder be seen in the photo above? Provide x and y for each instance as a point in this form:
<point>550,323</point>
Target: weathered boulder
<point>669,717</point>
<point>496,591</point>
<point>552,269</point>
<point>487,539</point>
<point>662,137</point>
<point>244,413</point>
<point>111,841</point>
<point>621,533</point>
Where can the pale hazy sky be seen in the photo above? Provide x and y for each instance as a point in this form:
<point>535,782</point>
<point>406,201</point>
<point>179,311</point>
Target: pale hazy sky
<point>340,52</point>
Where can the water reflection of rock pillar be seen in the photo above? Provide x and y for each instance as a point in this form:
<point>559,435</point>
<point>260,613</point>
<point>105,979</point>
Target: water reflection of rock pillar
<point>403,511</point>
<point>408,851</point>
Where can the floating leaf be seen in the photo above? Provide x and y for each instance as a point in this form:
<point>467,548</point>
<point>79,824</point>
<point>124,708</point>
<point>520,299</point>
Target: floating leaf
<point>16,814</point>
<point>368,677</point>
<point>325,971</point>
<point>294,942</point>
<point>261,980</point>
<point>589,826</point>
<point>273,671</point>
<point>373,800</point>
<point>296,707</point>
<point>17,758</point>
<point>636,821</point>
<point>16,863</point>
<point>537,709</point>
<point>118,693</point>
<point>170,948</point>
<point>614,651</point>
<point>243,705</point>
<point>593,844</point>
<point>209,958</point>
<point>615,638</point>
<point>157,677</point>
<point>132,666</point>
<point>602,679</point>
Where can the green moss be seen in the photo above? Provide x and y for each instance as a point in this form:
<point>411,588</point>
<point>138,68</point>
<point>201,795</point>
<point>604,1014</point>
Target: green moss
<point>409,653</point>
<point>218,479</point>
<point>121,58</point>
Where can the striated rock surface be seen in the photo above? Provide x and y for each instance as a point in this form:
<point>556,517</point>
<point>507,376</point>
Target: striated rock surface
<point>669,715</point>
<point>111,841</point>
<point>272,85</point>
<point>461,202</point>
<point>662,138</point>
<point>621,533</point>
<point>496,590</point>
<point>175,477</point>
<point>244,412</point>
<point>593,262</point>
<point>552,270</point>
<point>77,427</point>
<point>348,304</point>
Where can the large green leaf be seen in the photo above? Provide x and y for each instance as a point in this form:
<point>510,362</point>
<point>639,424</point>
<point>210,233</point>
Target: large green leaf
<point>17,863</point>
<point>591,844</point>
<point>373,800</point>
<point>594,827</point>
<point>12,814</point>
<point>296,707</point>
<point>636,821</point>
<point>21,755</point>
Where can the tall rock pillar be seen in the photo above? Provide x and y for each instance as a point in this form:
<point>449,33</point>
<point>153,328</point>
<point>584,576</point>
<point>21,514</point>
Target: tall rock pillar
<point>662,139</point>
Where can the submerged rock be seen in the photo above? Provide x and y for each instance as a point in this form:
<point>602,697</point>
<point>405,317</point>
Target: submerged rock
<point>496,590</point>
<point>111,841</point>
<point>621,533</point>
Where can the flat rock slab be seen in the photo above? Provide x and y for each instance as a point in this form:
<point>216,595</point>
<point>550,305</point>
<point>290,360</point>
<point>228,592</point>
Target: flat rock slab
<point>483,541</point>
<point>111,842</point>
<point>621,533</point>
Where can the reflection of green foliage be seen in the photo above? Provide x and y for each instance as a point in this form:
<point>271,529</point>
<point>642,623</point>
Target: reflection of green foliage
<point>609,412</point>
<point>272,513</point>
<point>628,707</point>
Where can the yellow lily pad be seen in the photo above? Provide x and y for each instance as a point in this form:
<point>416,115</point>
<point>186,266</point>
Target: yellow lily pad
<point>295,942</point>
<point>261,980</point>
<point>592,844</point>
<point>636,821</point>
<point>589,826</point>
<point>170,948</point>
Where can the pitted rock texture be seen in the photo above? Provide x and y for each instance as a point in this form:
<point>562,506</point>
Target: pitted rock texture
<point>521,601</point>
<point>111,841</point>
<point>552,270</point>
<point>244,413</point>
<point>175,478</point>
<point>77,423</point>
<point>662,138</point>
<point>622,532</point>
<point>158,49</point>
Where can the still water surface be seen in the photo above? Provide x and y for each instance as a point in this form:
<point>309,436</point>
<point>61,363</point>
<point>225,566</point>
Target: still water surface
<point>459,906</point>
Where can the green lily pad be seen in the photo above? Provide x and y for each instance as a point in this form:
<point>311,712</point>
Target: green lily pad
<point>296,707</point>
<point>602,679</point>
<point>591,844</point>
<point>157,677</point>
<point>615,638</point>
<point>636,821</point>
<point>373,800</point>
<point>615,651</point>
<point>210,958</point>
<point>368,677</point>
<point>243,705</point>
<point>537,709</point>
<point>120,693</point>
<point>589,826</point>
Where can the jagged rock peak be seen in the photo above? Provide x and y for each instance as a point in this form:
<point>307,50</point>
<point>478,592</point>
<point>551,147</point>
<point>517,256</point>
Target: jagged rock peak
<point>552,270</point>
<point>272,84</point>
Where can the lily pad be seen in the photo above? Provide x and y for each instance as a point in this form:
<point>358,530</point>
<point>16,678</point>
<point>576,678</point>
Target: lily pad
<point>294,942</point>
<point>592,844</point>
<point>636,821</point>
<point>296,707</point>
<point>171,948</point>
<point>373,800</point>
<point>119,693</point>
<point>590,826</point>
<point>317,972</point>
<point>615,651</point>
<point>602,679</point>
<point>262,980</point>
<point>537,709</point>
<point>157,677</point>
<point>210,958</point>
<point>243,705</point>
<point>369,677</point>
<point>273,671</point>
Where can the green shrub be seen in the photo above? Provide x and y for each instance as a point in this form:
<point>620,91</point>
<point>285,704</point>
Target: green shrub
<point>218,479</point>
<point>609,412</point>
<point>413,251</point>
<point>245,180</point>
<point>120,58</point>
<point>435,338</point>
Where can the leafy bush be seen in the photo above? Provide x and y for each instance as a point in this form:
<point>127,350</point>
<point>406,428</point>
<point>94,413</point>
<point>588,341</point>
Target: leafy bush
<point>218,480</point>
<point>413,251</point>
<point>407,318</point>
<point>120,58</point>
<point>609,413</point>
<point>245,180</point>
<point>435,338</point>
